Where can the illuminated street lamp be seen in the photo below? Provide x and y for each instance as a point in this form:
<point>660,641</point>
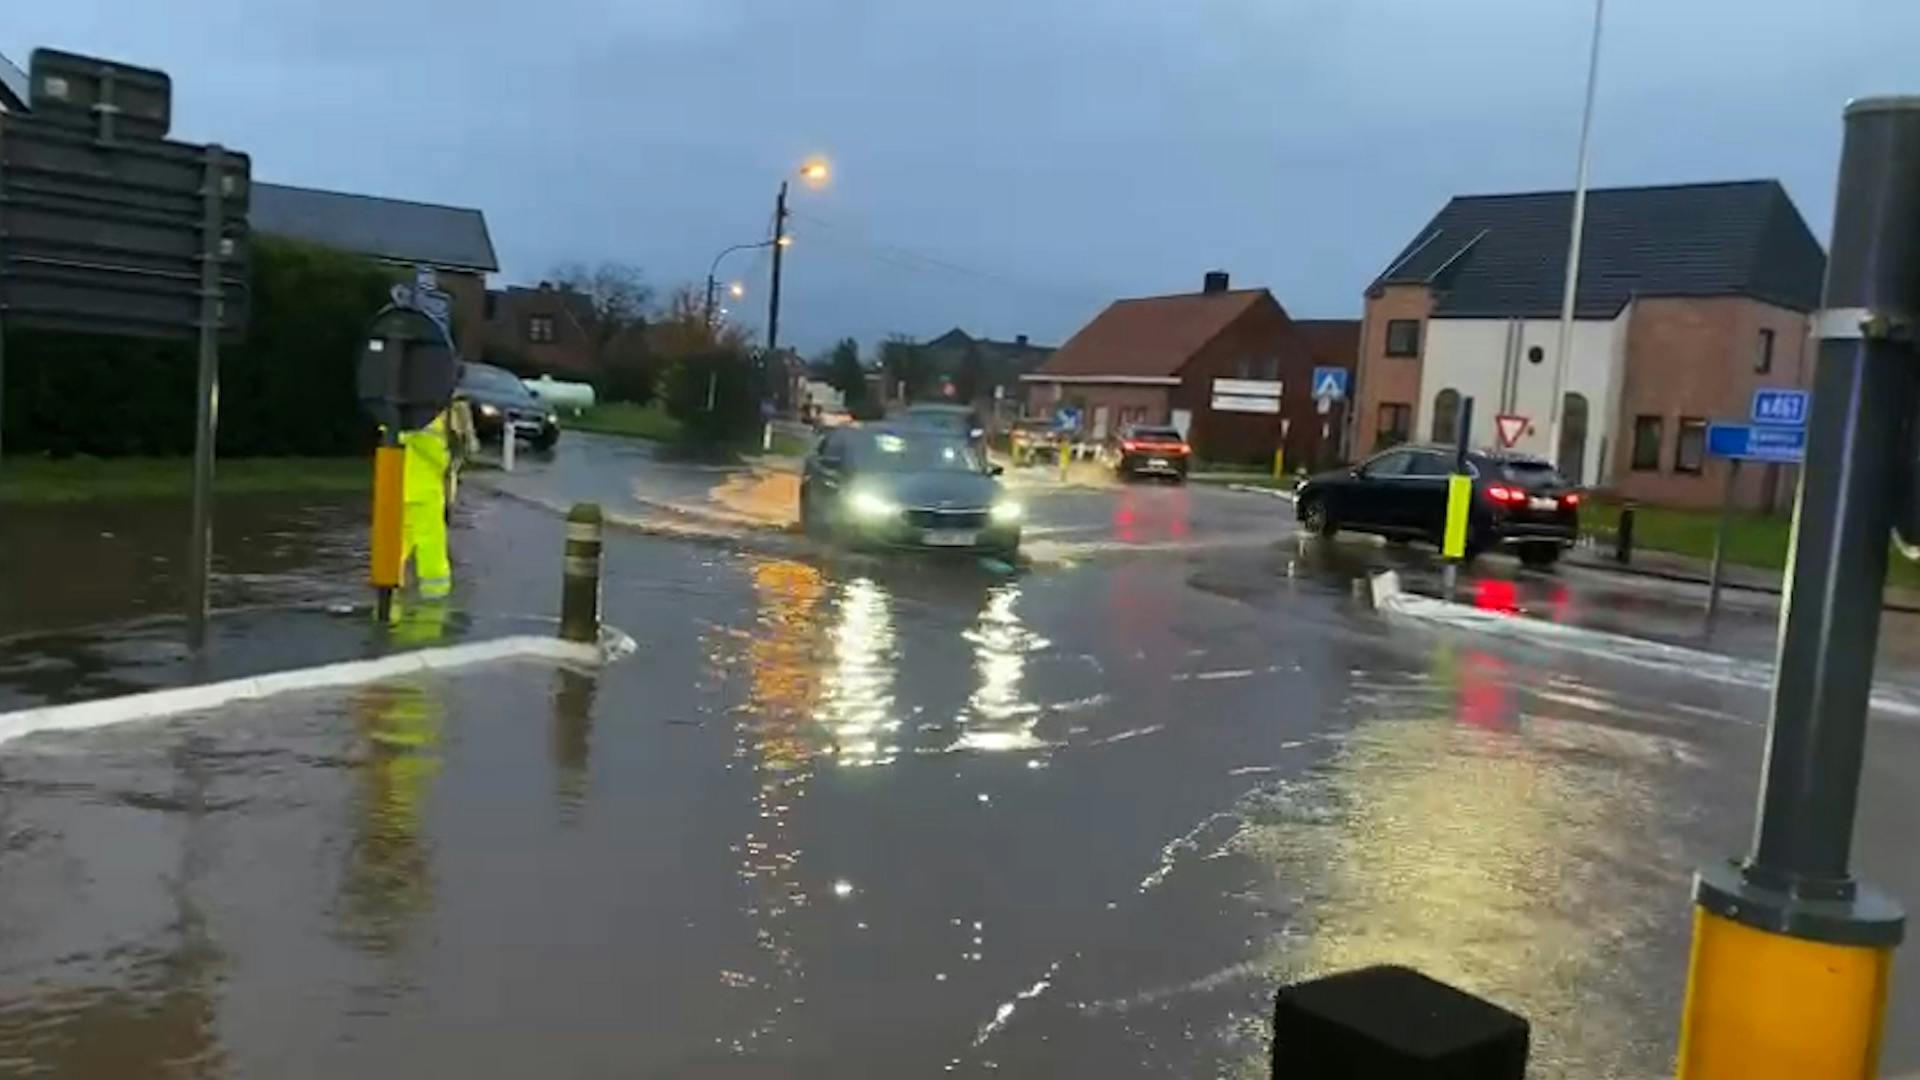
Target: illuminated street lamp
<point>734,289</point>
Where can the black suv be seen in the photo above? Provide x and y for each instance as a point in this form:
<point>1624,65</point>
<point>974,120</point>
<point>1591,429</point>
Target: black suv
<point>1519,502</point>
<point>500,401</point>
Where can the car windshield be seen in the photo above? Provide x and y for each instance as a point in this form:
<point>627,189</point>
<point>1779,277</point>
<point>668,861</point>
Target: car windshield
<point>939,419</point>
<point>493,380</point>
<point>1155,434</point>
<point>904,452</point>
<point>1529,471</point>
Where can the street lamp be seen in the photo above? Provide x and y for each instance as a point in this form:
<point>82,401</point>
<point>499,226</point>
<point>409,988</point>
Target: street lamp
<point>1556,414</point>
<point>816,173</point>
<point>735,289</point>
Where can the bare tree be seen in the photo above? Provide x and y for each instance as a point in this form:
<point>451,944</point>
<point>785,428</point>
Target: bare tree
<point>618,292</point>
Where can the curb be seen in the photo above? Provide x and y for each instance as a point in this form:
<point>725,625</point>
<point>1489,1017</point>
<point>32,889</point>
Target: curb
<point>154,704</point>
<point>1683,578</point>
<point>1255,489</point>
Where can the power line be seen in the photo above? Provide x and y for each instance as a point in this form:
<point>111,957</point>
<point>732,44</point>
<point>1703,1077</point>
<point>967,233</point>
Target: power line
<point>908,259</point>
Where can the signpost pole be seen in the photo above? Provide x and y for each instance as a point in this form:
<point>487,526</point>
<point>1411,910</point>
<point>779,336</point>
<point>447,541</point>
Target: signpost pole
<point>207,397</point>
<point>1720,542</point>
<point>1453,541</point>
<point>1791,955</point>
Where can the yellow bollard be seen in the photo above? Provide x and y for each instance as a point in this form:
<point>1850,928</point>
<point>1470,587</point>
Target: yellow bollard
<point>1279,463</point>
<point>1766,1006</point>
<point>1453,544</point>
<point>389,471</point>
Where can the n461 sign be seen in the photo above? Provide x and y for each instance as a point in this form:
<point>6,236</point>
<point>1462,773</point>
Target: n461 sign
<point>1780,408</point>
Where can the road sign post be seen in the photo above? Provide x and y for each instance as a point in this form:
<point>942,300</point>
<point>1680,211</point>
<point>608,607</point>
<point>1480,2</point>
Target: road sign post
<point>1453,540</point>
<point>1791,956</point>
<point>206,404</point>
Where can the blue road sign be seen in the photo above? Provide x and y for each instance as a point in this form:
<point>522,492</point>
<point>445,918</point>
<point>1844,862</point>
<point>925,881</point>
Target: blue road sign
<point>1066,418</point>
<point>1330,383</point>
<point>1782,408</point>
<point>1753,442</point>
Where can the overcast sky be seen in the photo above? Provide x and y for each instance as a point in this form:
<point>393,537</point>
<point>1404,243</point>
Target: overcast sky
<point>1007,166</point>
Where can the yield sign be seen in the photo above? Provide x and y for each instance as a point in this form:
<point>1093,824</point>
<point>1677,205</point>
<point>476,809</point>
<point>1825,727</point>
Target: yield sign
<point>1510,427</point>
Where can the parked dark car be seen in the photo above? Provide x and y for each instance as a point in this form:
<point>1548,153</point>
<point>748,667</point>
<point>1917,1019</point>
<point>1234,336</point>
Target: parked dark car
<point>1520,503</point>
<point>499,399</point>
<point>907,487</point>
<point>1149,450</point>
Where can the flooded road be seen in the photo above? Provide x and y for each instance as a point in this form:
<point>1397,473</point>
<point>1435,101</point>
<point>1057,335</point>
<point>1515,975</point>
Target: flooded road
<point>872,816</point>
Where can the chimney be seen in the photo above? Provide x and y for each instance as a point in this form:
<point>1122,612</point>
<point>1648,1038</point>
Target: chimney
<point>1216,281</point>
<point>1020,340</point>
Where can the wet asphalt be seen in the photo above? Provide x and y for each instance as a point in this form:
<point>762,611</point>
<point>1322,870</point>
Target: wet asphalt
<point>878,815</point>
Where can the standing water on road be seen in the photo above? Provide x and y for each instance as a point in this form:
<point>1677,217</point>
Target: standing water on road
<point>850,816</point>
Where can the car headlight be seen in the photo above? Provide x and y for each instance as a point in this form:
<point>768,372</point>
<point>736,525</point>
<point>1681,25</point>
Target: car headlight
<point>489,411</point>
<point>871,505</point>
<point>1006,513</point>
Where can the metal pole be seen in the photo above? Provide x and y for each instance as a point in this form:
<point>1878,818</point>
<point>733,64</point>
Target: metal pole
<point>1459,520</point>
<point>207,396</point>
<point>1790,924</point>
<point>779,248</point>
<point>1720,542</point>
<point>709,308</point>
<point>1564,339</point>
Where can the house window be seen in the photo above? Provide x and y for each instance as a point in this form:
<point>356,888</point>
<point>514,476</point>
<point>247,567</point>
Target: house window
<point>1690,451</point>
<point>1403,337</point>
<point>1646,443</point>
<point>1396,422</point>
<point>540,329</point>
<point>1446,416</point>
<point>1763,357</point>
<point>1259,367</point>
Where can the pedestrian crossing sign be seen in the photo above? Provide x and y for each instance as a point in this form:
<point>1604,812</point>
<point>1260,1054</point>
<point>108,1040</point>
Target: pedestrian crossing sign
<point>1330,383</point>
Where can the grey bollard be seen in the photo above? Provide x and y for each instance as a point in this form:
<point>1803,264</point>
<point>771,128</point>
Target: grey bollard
<point>580,579</point>
<point>1393,1023</point>
<point>1623,537</point>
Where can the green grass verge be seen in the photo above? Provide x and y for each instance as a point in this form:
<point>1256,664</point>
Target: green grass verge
<point>1753,539</point>
<point>624,418</point>
<point>42,480</point>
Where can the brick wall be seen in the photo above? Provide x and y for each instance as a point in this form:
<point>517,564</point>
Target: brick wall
<point>1381,378</point>
<point>1263,333</point>
<point>1696,358</point>
<point>570,355</point>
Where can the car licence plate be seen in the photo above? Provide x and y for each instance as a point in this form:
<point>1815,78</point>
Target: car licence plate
<point>1157,463</point>
<point>949,537</point>
<point>1538,503</point>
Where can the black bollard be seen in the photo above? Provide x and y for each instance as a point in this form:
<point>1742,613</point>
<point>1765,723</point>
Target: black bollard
<point>1393,1023</point>
<point>580,579</point>
<point>1623,537</point>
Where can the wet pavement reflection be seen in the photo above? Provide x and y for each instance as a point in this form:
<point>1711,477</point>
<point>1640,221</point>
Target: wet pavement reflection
<point>851,815</point>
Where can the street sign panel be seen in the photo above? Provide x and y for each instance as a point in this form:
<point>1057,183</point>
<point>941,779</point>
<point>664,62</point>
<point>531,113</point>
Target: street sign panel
<point>83,91</point>
<point>1511,428</point>
<point>1066,418</point>
<point>1756,442</point>
<point>1246,396</point>
<point>1330,383</point>
<point>1784,408</point>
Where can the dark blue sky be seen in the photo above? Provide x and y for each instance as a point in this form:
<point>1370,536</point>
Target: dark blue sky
<point>1004,165</point>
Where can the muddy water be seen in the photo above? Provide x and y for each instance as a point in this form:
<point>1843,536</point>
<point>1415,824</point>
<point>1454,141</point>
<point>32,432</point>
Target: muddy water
<point>874,817</point>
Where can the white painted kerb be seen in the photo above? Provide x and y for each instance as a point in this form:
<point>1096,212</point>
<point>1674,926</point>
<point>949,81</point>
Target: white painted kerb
<point>158,703</point>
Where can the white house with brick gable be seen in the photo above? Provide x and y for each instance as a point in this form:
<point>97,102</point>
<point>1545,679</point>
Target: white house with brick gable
<point>1690,297</point>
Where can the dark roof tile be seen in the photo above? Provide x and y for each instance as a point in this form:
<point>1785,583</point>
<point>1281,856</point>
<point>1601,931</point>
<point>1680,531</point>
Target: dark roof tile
<point>1505,255</point>
<point>448,237</point>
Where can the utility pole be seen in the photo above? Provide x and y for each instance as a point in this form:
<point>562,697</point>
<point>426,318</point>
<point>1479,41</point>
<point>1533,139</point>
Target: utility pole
<point>779,248</point>
<point>1564,339</point>
<point>1791,956</point>
<point>709,307</point>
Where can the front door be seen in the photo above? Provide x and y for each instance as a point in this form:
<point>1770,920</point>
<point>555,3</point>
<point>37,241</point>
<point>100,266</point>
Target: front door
<point>1100,415</point>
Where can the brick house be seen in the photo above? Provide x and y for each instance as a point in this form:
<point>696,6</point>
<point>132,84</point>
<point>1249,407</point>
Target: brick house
<point>1156,360</point>
<point>451,240</point>
<point>1691,297</point>
<point>541,331</point>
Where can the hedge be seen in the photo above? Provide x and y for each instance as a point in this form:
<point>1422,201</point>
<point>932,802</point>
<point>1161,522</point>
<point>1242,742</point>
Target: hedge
<point>288,389</point>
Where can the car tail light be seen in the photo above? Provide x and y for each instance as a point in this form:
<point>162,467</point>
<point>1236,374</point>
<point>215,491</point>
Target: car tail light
<point>1570,499</point>
<point>1129,445</point>
<point>1500,493</point>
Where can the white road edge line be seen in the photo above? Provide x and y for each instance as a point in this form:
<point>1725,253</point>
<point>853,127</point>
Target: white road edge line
<point>153,704</point>
<point>1255,489</point>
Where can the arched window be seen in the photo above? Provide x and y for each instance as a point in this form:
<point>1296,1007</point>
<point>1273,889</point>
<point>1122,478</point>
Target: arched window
<point>1573,438</point>
<point>1446,416</point>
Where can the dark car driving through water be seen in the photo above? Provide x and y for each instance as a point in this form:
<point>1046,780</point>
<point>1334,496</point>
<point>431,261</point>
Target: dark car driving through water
<point>499,400</point>
<point>907,487</point>
<point>1520,502</point>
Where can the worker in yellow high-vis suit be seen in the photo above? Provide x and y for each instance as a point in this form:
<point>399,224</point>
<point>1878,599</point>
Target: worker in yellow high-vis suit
<point>424,521</point>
